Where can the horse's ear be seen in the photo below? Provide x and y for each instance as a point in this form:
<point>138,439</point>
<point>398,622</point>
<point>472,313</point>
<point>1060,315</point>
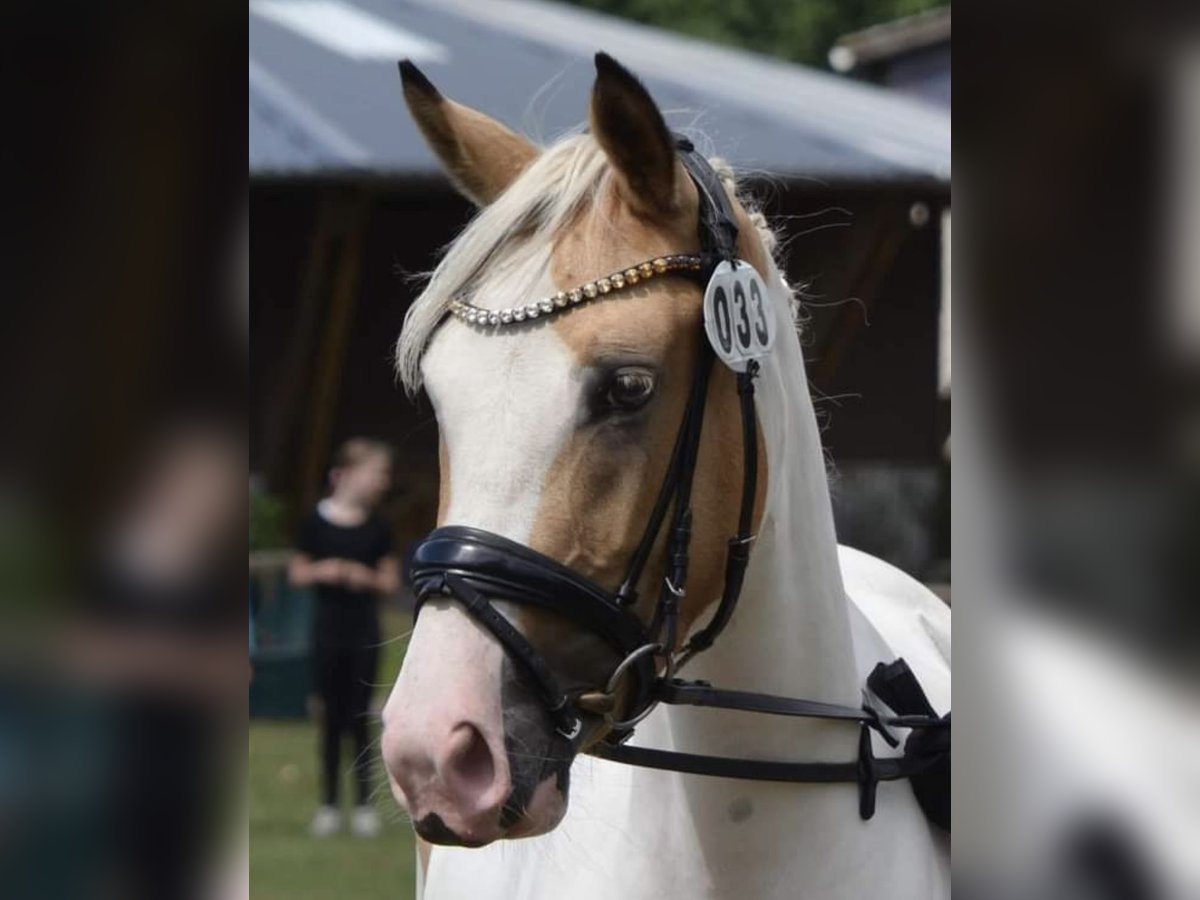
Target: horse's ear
<point>631,130</point>
<point>481,156</point>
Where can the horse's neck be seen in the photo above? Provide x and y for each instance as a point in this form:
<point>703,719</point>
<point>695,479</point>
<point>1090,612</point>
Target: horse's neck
<point>640,833</point>
<point>790,634</point>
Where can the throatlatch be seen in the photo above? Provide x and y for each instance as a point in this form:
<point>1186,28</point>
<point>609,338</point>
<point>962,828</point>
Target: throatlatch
<point>477,568</point>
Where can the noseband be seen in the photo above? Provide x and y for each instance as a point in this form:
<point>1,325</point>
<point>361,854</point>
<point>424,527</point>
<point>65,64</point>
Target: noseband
<point>477,568</point>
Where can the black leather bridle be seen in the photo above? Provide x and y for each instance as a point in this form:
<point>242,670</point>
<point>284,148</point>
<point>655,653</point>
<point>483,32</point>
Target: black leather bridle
<point>477,568</point>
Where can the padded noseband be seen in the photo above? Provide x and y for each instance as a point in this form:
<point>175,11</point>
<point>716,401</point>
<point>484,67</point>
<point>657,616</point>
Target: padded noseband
<point>477,567</point>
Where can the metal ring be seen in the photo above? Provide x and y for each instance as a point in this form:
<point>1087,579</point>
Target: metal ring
<point>677,591</point>
<point>621,669</point>
<point>628,661</point>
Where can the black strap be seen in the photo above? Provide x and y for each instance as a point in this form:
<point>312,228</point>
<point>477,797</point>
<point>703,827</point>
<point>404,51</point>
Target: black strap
<point>678,692</point>
<point>683,459</point>
<point>725,766</point>
<point>627,593</point>
<point>718,241</point>
<point>502,569</point>
<point>679,538</point>
<point>698,693</point>
<point>867,771</point>
<point>738,553</point>
<point>895,684</point>
<point>557,701</point>
<point>718,221</point>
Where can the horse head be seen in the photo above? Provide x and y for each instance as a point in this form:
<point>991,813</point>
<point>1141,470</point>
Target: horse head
<point>555,434</point>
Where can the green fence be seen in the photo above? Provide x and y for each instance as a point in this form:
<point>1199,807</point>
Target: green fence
<point>282,655</point>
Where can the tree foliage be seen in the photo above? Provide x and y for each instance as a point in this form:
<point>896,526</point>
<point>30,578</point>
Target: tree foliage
<point>797,30</point>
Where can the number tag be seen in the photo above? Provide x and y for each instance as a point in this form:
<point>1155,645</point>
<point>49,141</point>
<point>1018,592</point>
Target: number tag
<point>738,317</point>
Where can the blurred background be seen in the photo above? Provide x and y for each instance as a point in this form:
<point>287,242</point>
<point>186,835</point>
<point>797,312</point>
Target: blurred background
<point>346,201</point>
<point>143,357</point>
<point>837,115</point>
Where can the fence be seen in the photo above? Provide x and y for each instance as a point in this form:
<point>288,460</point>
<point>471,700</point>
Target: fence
<point>282,655</point>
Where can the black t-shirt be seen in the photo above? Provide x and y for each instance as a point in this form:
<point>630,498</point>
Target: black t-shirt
<point>345,616</point>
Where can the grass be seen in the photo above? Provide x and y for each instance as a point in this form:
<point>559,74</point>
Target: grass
<point>285,862</point>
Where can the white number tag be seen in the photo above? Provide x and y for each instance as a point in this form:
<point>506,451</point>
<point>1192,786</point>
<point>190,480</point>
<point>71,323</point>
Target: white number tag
<point>738,317</point>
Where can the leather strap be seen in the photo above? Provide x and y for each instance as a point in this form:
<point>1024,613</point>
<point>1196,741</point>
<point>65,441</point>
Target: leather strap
<point>698,693</point>
<point>738,553</point>
<point>727,767</point>
<point>867,771</point>
<point>683,457</point>
<point>679,538</point>
<point>718,241</point>
<point>477,567</point>
<point>718,221</point>
<point>503,569</point>
<point>678,692</point>
<point>557,701</point>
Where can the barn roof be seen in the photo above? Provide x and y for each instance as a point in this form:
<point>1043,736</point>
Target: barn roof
<point>325,97</point>
<point>891,39</point>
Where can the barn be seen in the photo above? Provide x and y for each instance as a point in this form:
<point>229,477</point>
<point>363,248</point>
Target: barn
<point>347,205</point>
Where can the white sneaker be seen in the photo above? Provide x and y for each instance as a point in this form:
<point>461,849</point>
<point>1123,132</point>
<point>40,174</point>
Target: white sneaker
<point>364,821</point>
<point>327,821</point>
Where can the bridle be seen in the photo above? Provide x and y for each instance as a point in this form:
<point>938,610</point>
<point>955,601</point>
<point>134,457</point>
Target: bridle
<point>477,568</point>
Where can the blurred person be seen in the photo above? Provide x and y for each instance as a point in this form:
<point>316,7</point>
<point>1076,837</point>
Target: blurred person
<point>345,551</point>
<point>159,653</point>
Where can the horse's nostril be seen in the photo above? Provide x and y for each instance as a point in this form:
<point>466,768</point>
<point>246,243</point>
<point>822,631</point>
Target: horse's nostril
<point>469,766</point>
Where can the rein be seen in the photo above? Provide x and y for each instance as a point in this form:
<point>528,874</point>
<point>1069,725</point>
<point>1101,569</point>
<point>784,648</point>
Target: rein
<point>476,568</point>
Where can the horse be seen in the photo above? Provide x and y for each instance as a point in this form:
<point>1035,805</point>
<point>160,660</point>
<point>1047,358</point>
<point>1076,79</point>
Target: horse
<point>554,434</point>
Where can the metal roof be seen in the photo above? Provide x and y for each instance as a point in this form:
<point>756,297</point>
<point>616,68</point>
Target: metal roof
<point>325,96</point>
<point>891,39</point>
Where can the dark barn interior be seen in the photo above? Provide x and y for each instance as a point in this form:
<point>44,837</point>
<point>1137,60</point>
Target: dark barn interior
<point>336,265</point>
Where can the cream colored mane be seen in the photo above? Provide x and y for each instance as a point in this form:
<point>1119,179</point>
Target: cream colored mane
<point>561,182</point>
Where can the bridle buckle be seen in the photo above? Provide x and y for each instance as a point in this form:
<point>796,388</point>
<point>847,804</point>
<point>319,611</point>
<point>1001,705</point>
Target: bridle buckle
<point>614,679</point>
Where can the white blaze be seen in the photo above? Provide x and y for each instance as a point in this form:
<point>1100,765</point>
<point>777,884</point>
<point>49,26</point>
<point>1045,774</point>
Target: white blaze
<point>506,404</point>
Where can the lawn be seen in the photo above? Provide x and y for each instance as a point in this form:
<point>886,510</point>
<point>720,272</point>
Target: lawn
<point>287,864</point>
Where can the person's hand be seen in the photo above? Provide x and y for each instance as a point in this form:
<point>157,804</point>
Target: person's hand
<point>358,577</point>
<point>330,571</point>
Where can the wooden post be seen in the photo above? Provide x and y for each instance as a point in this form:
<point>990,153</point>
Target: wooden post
<point>882,244</point>
<point>335,339</point>
<point>289,389</point>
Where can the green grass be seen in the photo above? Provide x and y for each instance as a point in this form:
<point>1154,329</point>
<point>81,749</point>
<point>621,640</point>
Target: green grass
<point>285,862</point>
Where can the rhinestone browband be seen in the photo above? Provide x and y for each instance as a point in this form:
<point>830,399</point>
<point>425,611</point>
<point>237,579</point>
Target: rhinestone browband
<point>617,281</point>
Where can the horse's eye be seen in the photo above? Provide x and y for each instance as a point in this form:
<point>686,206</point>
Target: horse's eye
<point>630,388</point>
